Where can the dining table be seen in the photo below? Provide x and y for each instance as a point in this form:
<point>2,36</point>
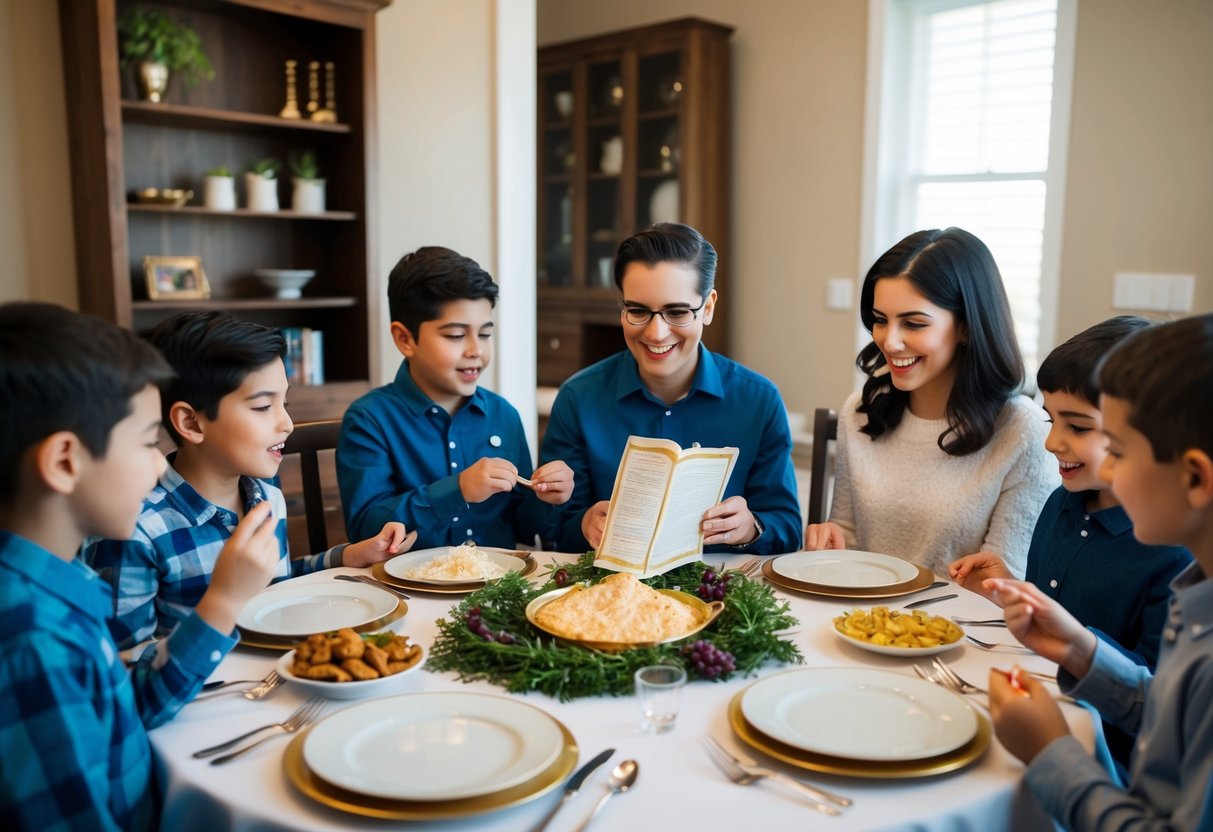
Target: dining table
<point>677,786</point>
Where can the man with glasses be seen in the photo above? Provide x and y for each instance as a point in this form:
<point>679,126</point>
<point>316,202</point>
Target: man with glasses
<point>668,385</point>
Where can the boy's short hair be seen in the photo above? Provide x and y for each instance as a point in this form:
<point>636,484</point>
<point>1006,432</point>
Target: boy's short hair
<point>212,353</point>
<point>64,370</point>
<point>669,242</point>
<point>1071,367</point>
<point>429,278</point>
<point>1165,374</point>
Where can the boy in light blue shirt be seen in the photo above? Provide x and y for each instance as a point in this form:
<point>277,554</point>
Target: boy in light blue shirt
<point>79,420</point>
<point>1157,407</point>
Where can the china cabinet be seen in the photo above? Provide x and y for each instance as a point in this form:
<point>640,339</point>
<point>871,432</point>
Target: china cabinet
<point>121,145</point>
<point>633,129</point>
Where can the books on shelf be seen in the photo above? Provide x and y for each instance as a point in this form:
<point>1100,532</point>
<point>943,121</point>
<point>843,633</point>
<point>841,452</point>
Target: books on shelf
<point>304,355</point>
<point>661,493</point>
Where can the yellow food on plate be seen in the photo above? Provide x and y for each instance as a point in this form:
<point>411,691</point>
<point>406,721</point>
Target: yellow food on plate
<point>618,609</point>
<point>897,628</point>
<point>346,656</point>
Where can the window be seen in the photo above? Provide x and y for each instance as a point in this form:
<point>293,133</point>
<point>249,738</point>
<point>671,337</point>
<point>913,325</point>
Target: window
<point>973,116</point>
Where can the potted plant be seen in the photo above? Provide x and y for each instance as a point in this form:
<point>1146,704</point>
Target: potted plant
<point>308,194</point>
<point>219,189</point>
<point>261,181</point>
<point>158,47</point>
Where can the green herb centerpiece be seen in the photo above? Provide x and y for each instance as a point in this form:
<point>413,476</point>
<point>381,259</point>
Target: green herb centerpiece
<point>487,635</point>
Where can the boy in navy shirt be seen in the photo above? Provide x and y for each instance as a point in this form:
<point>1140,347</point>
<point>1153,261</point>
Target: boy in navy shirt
<point>434,449</point>
<point>79,420</point>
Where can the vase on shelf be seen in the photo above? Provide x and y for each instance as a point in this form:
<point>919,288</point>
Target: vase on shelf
<point>307,197</point>
<point>219,193</point>
<point>151,77</point>
<point>262,192</point>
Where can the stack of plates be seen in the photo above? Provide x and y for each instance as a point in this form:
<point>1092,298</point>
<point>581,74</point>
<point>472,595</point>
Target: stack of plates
<point>430,756</point>
<point>392,572</point>
<point>846,574</point>
<point>859,722</point>
<point>290,611</point>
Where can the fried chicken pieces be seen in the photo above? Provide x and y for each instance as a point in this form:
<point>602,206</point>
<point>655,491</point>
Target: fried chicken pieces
<point>346,656</point>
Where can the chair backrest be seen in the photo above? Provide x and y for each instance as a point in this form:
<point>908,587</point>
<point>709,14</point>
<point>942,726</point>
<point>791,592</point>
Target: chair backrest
<point>825,431</point>
<point>308,439</point>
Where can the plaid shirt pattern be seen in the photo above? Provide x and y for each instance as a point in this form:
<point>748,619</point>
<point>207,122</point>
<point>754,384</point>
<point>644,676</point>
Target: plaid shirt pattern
<point>159,575</point>
<point>73,720</point>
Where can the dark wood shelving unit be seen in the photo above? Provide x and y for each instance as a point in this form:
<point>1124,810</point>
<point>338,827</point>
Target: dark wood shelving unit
<point>663,90</point>
<point>121,144</point>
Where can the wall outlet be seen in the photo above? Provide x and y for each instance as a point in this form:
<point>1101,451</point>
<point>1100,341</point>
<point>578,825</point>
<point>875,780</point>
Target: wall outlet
<point>1153,292</point>
<point>840,294</point>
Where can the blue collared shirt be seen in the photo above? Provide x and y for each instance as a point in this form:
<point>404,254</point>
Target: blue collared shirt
<point>728,406</point>
<point>160,574</point>
<point>400,456</point>
<point>73,720</point>
<point>1171,713</point>
<point>1090,562</point>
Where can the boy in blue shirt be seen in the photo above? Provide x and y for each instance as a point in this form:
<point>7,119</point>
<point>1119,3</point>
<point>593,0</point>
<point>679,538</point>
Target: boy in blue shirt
<point>79,419</point>
<point>433,449</point>
<point>1083,553</point>
<point>225,409</point>
<point>1157,407</point>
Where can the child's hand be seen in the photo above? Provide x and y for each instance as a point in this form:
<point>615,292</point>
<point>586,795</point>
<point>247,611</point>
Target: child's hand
<point>244,567</point>
<point>593,523</point>
<point>553,482</point>
<point>1026,718</point>
<point>486,477</point>
<point>730,522</point>
<point>390,542</point>
<point>824,536</point>
<point>1043,625</point>
<point>971,570</point>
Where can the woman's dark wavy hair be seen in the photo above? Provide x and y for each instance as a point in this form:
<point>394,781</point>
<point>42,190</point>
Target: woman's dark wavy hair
<point>955,271</point>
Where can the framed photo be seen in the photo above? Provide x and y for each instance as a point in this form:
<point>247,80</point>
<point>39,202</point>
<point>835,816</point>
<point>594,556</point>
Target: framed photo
<point>176,278</point>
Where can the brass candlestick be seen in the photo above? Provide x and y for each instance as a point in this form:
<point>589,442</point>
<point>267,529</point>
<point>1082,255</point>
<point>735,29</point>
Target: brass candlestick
<point>291,108</point>
<point>313,86</point>
<point>328,113</point>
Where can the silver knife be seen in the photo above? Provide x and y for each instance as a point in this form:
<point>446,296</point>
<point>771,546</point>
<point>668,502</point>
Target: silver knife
<point>926,601</point>
<point>573,785</point>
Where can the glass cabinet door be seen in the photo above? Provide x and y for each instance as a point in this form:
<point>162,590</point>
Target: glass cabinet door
<point>557,163</point>
<point>659,153</point>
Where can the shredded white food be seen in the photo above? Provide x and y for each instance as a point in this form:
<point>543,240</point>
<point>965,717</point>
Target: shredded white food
<point>460,563</point>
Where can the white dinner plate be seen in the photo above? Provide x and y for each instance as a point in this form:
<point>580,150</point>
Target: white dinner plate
<point>433,746</point>
<point>399,565</point>
<point>859,713</point>
<point>845,568</point>
<point>298,609</point>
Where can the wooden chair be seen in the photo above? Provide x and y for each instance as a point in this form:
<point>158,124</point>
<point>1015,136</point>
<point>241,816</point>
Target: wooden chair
<point>825,431</point>
<point>308,440</point>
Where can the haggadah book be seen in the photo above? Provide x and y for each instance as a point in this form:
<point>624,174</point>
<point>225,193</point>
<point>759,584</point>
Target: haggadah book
<point>661,492</point>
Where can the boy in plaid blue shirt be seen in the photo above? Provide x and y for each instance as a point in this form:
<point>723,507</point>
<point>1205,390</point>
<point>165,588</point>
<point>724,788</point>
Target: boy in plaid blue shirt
<point>79,419</point>
<point>226,411</point>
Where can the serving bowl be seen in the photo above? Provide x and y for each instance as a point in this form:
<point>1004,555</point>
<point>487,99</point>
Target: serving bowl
<point>707,612</point>
<point>173,197</point>
<point>287,283</point>
<point>344,690</point>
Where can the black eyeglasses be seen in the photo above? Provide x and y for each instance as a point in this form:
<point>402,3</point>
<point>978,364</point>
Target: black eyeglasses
<point>674,316</point>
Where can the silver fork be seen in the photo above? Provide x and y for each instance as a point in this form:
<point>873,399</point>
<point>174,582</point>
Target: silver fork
<point>986,645</point>
<point>305,715</point>
<point>958,684</point>
<point>367,579</point>
<point>980,622</point>
<point>261,690</point>
<point>232,743</point>
<point>744,775</point>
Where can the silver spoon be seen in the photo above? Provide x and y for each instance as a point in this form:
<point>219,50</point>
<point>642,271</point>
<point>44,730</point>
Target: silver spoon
<point>622,779</point>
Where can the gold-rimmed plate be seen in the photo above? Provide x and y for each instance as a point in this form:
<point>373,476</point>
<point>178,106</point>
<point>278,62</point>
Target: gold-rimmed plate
<point>265,641</point>
<point>922,580</point>
<point>353,803</point>
<point>379,572</point>
<point>707,611</point>
<point>963,756</point>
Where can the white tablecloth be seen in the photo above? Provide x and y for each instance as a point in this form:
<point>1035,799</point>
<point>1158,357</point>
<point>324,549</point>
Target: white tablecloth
<point>678,787</point>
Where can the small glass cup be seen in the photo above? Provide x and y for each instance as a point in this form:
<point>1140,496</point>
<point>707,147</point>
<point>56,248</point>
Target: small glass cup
<point>657,688</point>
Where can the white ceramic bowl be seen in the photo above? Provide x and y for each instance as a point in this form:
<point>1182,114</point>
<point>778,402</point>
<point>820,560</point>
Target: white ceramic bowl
<point>905,652</point>
<point>344,690</point>
<point>287,283</point>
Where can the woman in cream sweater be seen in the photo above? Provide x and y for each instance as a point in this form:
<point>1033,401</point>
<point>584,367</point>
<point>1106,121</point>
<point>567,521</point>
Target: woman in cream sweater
<point>939,455</point>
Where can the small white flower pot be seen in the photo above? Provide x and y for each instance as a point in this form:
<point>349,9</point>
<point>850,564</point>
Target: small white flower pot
<point>219,193</point>
<point>308,196</point>
<point>262,192</point>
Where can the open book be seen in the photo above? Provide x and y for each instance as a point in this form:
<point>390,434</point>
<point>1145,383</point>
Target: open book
<point>661,492</point>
